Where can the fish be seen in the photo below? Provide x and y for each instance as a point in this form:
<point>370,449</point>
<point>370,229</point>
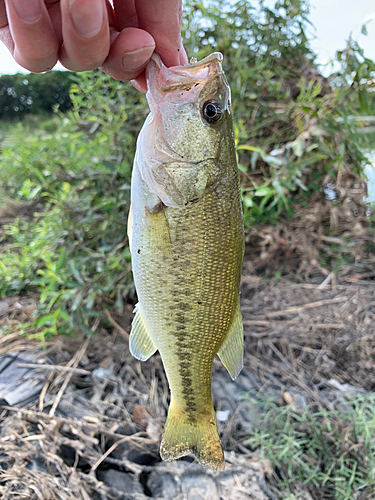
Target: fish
<point>186,239</point>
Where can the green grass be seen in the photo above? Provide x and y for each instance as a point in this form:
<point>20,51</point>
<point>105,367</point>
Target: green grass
<point>330,454</point>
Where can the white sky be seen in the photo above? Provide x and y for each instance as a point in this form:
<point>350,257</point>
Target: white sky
<point>334,20</point>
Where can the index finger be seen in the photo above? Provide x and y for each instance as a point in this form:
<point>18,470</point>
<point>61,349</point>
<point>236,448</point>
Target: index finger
<point>162,19</point>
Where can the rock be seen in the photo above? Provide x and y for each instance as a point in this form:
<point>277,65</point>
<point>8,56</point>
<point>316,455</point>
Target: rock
<point>196,487</point>
<point>3,307</point>
<point>241,485</point>
<point>228,397</point>
<point>36,465</point>
<point>223,416</point>
<point>20,386</point>
<point>162,485</point>
<point>294,396</point>
<point>142,458</point>
<point>102,372</point>
<point>121,481</point>
<point>140,415</point>
<point>154,431</point>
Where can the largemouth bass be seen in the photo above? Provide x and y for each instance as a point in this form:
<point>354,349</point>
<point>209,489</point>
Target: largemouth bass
<point>187,242</point>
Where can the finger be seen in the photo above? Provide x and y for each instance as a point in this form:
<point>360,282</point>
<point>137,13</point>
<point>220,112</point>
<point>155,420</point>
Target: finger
<point>162,19</point>
<point>54,12</point>
<point>129,54</point>
<point>34,44</point>
<point>126,14</point>
<point>140,82</point>
<point>85,34</point>
<point>3,15</point>
<point>6,37</point>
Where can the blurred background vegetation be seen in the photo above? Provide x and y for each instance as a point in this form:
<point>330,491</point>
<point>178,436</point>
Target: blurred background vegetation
<point>34,94</point>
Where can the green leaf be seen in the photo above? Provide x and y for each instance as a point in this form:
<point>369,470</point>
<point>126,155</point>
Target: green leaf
<point>62,260</point>
<point>263,191</point>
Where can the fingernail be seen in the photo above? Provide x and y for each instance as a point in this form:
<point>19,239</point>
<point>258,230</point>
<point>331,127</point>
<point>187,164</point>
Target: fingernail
<point>87,16</point>
<point>28,10</point>
<point>137,58</point>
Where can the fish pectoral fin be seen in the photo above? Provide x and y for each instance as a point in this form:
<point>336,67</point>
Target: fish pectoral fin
<point>183,435</point>
<point>231,351</point>
<point>130,227</point>
<point>141,344</point>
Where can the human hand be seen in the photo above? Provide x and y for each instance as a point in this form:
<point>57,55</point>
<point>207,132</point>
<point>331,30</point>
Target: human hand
<point>90,34</point>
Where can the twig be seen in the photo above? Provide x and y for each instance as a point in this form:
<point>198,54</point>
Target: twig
<point>296,377</point>
<point>78,356</point>
<point>116,325</point>
<point>294,309</point>
<point>310,286</point>
<point>11,336</point>
<point>108,452</point>
<point>55,368</point>
<point>360,276</point>
<point>36,417</point>
<point>325,282</point>
<point>44,390</point>
<point>23,440</point>
<point>125,463</point>
<point>324,326</point>
<point>263,486</point>
<point>328,239</point>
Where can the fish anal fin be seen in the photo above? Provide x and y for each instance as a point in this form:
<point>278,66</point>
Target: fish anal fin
<point>184,436</point>
<point>141,344</point>
<point>231,351</point>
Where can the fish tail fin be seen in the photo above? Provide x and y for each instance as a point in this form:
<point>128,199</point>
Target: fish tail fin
<point>183,435</point>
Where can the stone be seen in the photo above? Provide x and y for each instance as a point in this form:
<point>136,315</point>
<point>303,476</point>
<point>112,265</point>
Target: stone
<point>121,481</point>
<point>196,487</point>
<point>20,386</point>
<point>162,485</point>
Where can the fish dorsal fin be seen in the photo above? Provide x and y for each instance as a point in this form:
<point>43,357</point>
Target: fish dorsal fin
<point>231,351</point>
<point>141,344</point>
<point>130,227</point>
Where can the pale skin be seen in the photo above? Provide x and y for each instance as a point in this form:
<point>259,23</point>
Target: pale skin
<point>89,34</point>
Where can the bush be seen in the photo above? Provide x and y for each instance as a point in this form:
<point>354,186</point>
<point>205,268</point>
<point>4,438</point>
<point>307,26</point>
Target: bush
<point>34,93</point>
<point>291,126</point>
<point>75,252</point>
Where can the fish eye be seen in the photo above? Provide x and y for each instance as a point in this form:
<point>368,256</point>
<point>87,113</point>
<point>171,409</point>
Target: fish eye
<point>212,111</point>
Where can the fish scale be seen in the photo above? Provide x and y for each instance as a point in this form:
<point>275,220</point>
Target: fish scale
<point>187,263</point>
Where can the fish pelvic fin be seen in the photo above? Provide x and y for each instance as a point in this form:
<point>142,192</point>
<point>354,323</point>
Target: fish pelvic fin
<point>231,351</point>
<point>141,344</point>
<point>130,227</point>
<point>184,435</point>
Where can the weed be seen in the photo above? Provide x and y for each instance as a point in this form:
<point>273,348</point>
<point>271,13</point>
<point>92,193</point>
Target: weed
<point>330,454</point>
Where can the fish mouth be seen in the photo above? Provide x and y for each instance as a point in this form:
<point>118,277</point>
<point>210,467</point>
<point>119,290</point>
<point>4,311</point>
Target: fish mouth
<point>161,80</point>
<point>195,70</point>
